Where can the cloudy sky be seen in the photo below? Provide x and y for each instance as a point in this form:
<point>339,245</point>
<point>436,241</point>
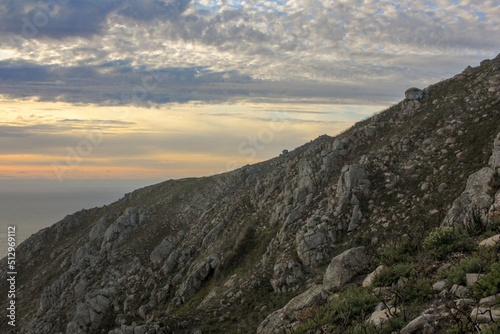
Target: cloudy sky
<point>157,89</point>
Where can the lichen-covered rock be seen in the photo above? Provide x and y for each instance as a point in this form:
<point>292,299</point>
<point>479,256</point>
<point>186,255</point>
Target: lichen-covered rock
<point>281,321</point>
<point>315,241</point>
<point>160,253</point>
<point>274,323</point>
<point>371,276</point>
<point>344,267</point>
<point>476,197</point>
<point>485,314</point>
<point>417,324</point>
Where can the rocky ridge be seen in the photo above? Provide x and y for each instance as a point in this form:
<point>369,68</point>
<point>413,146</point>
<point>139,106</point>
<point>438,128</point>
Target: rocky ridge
<point>360,219</point>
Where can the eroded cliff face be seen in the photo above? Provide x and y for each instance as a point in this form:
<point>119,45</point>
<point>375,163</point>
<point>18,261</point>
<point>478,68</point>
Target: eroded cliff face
<point>253,249</point>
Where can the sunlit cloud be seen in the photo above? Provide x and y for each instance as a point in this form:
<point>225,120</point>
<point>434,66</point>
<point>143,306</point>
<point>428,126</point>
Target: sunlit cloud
<point>157,86</point>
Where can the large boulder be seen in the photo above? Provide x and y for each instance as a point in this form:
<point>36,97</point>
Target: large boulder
<point>417,324</point>
<point>476,196</point>
<point>282,320</point>
<point>346,266</point>
<point>351,176</point>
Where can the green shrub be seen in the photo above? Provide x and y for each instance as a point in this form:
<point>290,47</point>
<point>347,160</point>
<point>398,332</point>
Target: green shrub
<point>444,240</point>
<point>244,244</point>
<point>456,274</point>
<point>394,253</point>
<point>417,291</point>
<point>351,308</point>
<point>391,275</point>
<point>491,329</point>
<point>488,284</point>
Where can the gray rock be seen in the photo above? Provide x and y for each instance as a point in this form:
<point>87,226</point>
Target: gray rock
<point>353,178</point>
<point>344,267</point>
<point>494,161</point>
<point>355,218</point>
<point>314,243</point>
<point>369,279</point>
<point>311,297</point>
<point>425,186</point>
<point>141,329</point>
<point>475,196</point>
<point>472,279</point>
<point>439,286</point>
<point>418,323</point>
<point>192,284</point>
<point>122,228</point>
<point>280,320</point>
<point>485,315</point>
<point>287,276</point>
<point>163,250</point>
<point>490,242</point>
<point>378,318</point>
<point>275,323</point>
<point>459,291</point>
<point>442,187</point>
<point>463,303</point>
<point>99,229</point>
<point>490,300</point>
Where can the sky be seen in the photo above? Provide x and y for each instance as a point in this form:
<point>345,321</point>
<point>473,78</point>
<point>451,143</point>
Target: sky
<point>154,89</point>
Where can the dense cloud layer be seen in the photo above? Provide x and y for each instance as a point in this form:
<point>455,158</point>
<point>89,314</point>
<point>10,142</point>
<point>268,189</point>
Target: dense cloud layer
<point>208,50</point>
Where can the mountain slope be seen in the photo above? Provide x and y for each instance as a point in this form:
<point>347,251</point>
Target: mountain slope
<point>228,253</point>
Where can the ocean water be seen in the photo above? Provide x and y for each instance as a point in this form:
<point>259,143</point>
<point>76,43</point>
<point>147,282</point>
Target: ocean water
<point>33,206</point>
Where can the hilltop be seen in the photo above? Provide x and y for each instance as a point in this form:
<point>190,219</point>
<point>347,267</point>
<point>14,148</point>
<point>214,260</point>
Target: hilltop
<point>376,230</point>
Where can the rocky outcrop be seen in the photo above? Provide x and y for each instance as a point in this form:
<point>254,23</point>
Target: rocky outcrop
<point>120,230</point>
<point>352,187</point>
<point>192,284</point>
<point>164,249</point>
<point>281,321</point>
<point>315,241</point>
<point>478,199</point>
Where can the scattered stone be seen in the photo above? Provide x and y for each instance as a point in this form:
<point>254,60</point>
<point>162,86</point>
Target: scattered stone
<point>369,279</point>
<point>490,242</point>
<point>425,186</point>
<point>418,323</point>
<point>451,141</point>
<point>378,318</point>
<point>462,304</point>
<point>442,187</point>
<point>439,286</point>
<point>490,300</point>
<point>459,291</point>
<point>472,279</point>
<point>485,315</point>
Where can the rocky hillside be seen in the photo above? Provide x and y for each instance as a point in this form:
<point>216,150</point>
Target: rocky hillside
<point>391,226</point>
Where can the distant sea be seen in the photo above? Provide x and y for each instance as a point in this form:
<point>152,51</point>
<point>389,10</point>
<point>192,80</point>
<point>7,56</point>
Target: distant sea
<point>33,206</point>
